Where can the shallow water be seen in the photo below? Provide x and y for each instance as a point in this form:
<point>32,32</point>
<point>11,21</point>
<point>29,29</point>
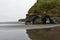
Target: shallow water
<point>20,31</point>
<point>12,34</point>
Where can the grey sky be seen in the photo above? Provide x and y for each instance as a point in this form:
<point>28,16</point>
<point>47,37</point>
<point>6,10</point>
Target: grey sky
<point>12,10</point>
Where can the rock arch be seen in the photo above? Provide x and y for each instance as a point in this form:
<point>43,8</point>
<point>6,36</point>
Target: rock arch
<point>45,18</point>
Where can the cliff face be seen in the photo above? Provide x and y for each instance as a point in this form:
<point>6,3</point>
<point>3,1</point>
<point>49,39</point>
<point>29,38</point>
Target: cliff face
<point>45,7</point>
<point>51,7</point>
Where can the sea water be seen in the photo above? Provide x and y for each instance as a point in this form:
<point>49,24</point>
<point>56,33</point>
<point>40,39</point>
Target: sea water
<point>12,34</point>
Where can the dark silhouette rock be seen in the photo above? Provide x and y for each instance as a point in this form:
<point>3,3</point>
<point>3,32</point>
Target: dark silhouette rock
<point>21,20</point>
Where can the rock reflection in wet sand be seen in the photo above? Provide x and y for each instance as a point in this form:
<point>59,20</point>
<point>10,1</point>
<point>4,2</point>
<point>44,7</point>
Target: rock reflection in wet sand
<point>44,33</point>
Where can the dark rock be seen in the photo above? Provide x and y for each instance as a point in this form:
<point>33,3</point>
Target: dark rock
<point>21,20</point>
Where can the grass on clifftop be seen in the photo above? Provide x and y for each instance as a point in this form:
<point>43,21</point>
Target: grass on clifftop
<point>49,6</point>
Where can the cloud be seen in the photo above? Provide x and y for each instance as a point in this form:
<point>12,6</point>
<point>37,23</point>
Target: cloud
<point>15,8</point>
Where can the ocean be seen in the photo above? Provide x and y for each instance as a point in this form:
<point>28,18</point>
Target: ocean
<point>11,33</point>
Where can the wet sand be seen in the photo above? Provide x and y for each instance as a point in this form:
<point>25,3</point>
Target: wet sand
<point>21,25</point>
<point>17,31</point>
<point>10,31</point>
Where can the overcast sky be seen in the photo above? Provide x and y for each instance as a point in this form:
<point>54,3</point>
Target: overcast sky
<point>12,10</point>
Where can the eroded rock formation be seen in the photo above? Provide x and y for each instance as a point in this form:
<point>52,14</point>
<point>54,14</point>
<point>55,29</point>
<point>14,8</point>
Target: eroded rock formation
<point>46,7</point>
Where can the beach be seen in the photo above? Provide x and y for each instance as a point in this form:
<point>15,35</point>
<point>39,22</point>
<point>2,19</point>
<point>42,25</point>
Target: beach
<point>17,30</point>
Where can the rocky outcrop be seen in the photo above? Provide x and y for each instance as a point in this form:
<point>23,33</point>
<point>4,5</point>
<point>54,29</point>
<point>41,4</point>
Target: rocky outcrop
<point>46,7</point>
<point>44,33</point>
<point>21,20</point>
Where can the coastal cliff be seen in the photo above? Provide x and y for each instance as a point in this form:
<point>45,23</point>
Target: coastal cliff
<point>45,7</point>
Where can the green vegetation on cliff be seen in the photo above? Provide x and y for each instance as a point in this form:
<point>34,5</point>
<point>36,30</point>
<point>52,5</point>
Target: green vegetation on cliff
<point>49,6</point>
